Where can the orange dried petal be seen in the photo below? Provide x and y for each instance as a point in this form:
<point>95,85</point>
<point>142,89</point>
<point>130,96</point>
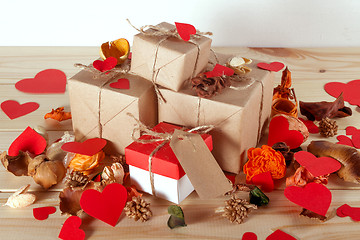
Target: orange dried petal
<point>118,49</point>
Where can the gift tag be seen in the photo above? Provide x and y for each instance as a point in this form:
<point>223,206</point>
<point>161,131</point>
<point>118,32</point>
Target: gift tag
<point>199,164</point>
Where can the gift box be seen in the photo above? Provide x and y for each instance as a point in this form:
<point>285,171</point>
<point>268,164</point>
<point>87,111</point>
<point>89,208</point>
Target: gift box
<point>239,114</point>
<point>99,110</point>
<point>169,59</point>
<point>170,180</point>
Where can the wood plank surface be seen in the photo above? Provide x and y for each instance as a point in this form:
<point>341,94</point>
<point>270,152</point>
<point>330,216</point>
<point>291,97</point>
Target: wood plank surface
<point>311,69</point>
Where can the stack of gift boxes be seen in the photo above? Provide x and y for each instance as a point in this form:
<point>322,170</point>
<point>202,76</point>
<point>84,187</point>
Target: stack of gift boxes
<point>239,114</point>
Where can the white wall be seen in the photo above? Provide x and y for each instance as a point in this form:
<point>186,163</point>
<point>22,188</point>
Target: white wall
<point>251,23</point>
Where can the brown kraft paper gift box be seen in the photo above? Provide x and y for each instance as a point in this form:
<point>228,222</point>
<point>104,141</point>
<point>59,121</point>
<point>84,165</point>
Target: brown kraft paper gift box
<point>239,115</point>
<point>174,58</point>
<point>99,110</point>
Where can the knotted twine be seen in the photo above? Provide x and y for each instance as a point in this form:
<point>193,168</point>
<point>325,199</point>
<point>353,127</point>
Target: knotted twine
<point>158,137</point>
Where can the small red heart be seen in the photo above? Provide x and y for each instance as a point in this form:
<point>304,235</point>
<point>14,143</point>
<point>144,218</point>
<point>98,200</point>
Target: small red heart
<point>314,197</point>
<point>317,166</point>
<point>230,177</point>
<point>13,109</point>
<point>339,210</point>
<point>105,65</point>
<point>121,83</point>
<point>107,205</point>
<point>264,180</point>
<point>29,141</point>
<point>312,128</point>
<point>344,140</point>
<point>274,66</point>
<point>89,147</point>
<point>185,30</point>
<point>220,70</point>
<point>249,236</point>
<point>46,81</point>
<point>280,235</point>
<point>43,213</point>
<point>279,132</point>
<point>345,210</point>
<point>70,229</point>
<point>350,90</point>
<point>350,130</point>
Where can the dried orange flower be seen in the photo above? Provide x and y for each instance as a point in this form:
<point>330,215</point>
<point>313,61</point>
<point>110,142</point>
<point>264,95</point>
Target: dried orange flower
<point>264,159</point>
<point>58,114</point>
<point>118,49</point>
<point>302,177</point>
<point>86,164</point>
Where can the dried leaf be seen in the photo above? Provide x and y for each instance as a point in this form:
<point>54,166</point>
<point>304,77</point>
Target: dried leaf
<point>258,198</point>
<point>132,192</point>
<point>17,165</point>
<point>312,215</point>
<point>176,218</point>
<point>113,174</point>
<point>20,198</point>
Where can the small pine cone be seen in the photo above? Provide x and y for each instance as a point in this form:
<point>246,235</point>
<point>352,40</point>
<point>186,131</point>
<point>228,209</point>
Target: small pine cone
<point>328,127</point>
<point>76,179</point>
<point>208,87</point>
<point>120,159</point>
<point>137,209</point>
<point>237,209</point>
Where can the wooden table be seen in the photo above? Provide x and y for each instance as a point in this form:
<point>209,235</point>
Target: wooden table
<point>311,69</point>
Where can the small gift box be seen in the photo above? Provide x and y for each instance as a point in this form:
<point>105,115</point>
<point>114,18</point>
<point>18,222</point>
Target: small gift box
<point>169,179</point>
<point>168,61</point>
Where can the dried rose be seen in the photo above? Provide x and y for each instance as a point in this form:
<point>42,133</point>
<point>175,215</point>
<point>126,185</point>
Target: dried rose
<point>86,164</point>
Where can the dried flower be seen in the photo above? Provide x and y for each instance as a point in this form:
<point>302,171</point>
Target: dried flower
<point>120,159</point>
<point>302,177</point>
<point>207,87</point>
<point>76,179</point>
<point>118,49</point>
<point>285,151</point>
<point>296,124</point>
<point>86,164</point>
<point>132,192</point>
<point>236,209</point>
<point>113,174</point>
<point>238,65</point>
<point>58,114</point>
<point>138,209</point>
<point>17,165</point>
<point>328,127</point>
<point>20,198</point>
<point>54,151</point>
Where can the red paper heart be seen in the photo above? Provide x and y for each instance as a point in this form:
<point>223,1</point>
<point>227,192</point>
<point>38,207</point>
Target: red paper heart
<point>280,235</point>
<point>28,140</point>
<point>339,210</point>
<point>249,236</point>
<point>46,81</point>
<point>70,229</point>
<point>185,30</point>
<point>312,128</point>
<point>350,90</point>
<point>317,166</point>
<point>264,180</point>
<point>121,83</point>
<point>314,197</point>
<point>106,205</point>
<point>345,211</point>
<point>13,109</point>
<point>220,70</point>
<point>105,65</point>
<point>88,147</point>
<point>344,140</point>
<point>43,213</point>
<point>274,66</point>
<point>279,132</point>
<point>350,130</point>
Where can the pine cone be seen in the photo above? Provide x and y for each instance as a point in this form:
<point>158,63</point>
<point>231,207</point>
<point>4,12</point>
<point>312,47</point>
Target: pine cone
<point>76,179</point>
<point>138,208</point>
<point>237,209</point>
<point>328,127</point>
<point>208,87</point>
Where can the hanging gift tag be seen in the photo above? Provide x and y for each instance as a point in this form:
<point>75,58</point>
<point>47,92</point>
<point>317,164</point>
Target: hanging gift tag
<point>199,164</point>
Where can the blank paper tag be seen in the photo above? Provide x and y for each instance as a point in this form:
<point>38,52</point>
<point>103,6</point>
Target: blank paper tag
<point>199,164</point>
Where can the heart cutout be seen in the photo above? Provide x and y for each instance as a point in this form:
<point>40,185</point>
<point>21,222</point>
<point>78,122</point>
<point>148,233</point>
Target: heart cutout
<point>347,211</point>
<point>280,235</point>
<point>122,83</point>
<point>249,236</point>
<point>46,81</point>
<point>312,128</point>
<point>89,147</point>
<point>105,65</point>
<point>264,180</point>
<point>279,132</point>
<point>350,90</point>
<point>314,197</point>
<point>220,70</point>
<point>70,229</point>
<point>28,140</point>
<point>344,140</point>
<point>107,205</point>
<point>43,213</point>
<point>317,166</point>
<point>274,66</point>
<point>13,109</point>
<point>185,30</point>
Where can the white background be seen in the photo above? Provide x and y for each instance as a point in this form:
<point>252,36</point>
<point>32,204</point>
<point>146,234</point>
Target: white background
<point>250,23</point>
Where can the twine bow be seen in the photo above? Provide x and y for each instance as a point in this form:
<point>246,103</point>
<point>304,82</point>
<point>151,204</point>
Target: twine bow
<point>125,68</point>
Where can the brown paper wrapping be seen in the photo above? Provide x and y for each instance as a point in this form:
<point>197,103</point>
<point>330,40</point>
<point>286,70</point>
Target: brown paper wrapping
<point>175,59</point>
<point>239,115</point>
<point>99,110</point>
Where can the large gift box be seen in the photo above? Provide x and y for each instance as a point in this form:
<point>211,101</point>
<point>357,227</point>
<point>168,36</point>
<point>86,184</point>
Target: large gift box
<point>170,181</point>
<point>239,114</point>
<point>168,61</point>
<point>99,110</point>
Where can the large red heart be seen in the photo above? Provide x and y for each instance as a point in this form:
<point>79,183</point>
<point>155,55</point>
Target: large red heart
<point>105,65</point>
<point>121,83</point>
<point>28,140</point>
<point>350,90</point>
<point>70,229</point>
<point>220,70</point>
<point>107,205</point>
<point>317,166</point>
<point>279,132</point>
<point>46,81</point>
<point>42,213</point>
<point>185,30</point>
<point>314,197</point>
<point>264,180</point>
<point>13,109</point>
<point>249,236</point>
<point>88,147</point>
<point>274,66</point>
<point>280,235</point>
